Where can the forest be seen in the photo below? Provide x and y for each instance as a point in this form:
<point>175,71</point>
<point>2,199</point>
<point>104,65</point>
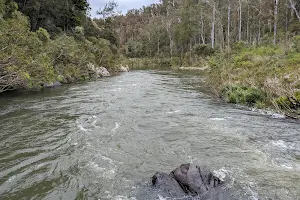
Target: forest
<point>248,49</point>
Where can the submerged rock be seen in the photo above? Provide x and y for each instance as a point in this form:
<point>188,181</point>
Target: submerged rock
<point>102,71</point>
<point>122,68</point>
<point>191,180</point>
<point>52,85</point>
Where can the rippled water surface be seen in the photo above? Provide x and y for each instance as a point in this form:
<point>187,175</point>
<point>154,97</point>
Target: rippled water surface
<point>104,139</point>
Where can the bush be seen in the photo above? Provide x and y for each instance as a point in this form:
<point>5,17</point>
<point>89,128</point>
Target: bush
<point>243,95</point>
<point>43,35</point>
<point>296,43</point>
<point>203,50</point>
<point>289,102</point>
<point>239,46</point>
<point>79,30</point>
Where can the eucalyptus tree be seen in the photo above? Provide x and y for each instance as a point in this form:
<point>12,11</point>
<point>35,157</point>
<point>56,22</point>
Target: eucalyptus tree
<point>294,5</point>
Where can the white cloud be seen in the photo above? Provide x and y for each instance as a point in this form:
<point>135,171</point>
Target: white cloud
<point>124,5</point>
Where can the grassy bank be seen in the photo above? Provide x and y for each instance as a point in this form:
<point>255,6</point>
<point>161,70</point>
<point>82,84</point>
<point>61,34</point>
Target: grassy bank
<point>264,77</point>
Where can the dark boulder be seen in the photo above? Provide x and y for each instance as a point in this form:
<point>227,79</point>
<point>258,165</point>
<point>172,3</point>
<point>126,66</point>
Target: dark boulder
<point>191,180</point>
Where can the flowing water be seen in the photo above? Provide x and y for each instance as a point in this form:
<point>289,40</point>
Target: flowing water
<point>105,139</point>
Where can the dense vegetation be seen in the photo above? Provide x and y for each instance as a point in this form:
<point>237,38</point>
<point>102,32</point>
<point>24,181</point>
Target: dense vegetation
<point>251,48</point>
<point>45,41</point>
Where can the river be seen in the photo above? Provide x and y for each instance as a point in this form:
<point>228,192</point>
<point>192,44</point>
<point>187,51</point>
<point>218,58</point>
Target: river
<point>105,139</point>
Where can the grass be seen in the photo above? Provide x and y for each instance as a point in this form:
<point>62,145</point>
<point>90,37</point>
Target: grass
<point>259,76</point>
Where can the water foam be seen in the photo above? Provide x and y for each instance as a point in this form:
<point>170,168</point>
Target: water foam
<point>81,128</point>
<point>280,144</point>
<point>217,119</point>
<point>172,112</point>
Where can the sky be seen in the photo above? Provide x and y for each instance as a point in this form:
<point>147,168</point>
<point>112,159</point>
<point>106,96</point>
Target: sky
<point>124,5</point>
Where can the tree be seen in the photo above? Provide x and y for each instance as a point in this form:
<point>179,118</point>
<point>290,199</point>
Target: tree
<point>275,20</point>
<point>54,15</point>
<point>293,6</point>
<point>109,10</point>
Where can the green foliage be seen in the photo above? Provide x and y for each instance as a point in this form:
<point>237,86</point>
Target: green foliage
<point>109,9</point>
<point>243,95</point>
<point>293,59</point>
<point>238,46</point>
<point>9,7</point>
<point>2,4</point>
<point>135,49</point>
<point>203,50</point>
<point>296,43</point>
<point>289,104</point>
<point>79,30</point>
<point>43,35</point>
<point>271,72</point>
<point>54,15</point>
<point>283,102</point>
<point>176,62</point>
<point>34,58</point>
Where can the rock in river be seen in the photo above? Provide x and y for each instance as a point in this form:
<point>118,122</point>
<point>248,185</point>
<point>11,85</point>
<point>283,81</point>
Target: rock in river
<point>123,68</point>
<point>52,85</point>
<point>191,180</point>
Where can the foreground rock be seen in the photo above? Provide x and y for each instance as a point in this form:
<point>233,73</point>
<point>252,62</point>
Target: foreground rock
<point>191,180</point>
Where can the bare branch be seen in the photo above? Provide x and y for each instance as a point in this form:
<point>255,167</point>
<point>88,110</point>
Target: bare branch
<point>293,6</point>
<point>4,48</point>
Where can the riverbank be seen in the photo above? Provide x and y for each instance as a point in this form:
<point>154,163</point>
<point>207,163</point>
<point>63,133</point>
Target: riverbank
<point>263,77</point>
<point>33,59</point>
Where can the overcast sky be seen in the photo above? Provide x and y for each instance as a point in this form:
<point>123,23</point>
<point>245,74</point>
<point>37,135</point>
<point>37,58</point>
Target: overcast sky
<point>124,5</point>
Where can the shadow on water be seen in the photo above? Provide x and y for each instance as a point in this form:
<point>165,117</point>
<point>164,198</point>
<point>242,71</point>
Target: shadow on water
<point>104,139</point>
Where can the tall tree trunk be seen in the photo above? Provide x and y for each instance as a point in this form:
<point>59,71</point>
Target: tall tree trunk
<point>169,31</point>
<point>240,20</point>
<point>275,20</point>
<point>202,28</point>
<point>286,21</point>
<point>213,26</point>
<point>228,24</point>
<point>158,47</point>
<point>248,20</point>
<point>259,24</point>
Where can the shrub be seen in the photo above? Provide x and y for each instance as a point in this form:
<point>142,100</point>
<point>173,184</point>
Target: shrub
<point>289,102</point>
<point>293,58</point>
<point>265,51</point>
<point>203,50</point>
<point>243,95</point>
<point>239,46</point>
<point>296,43</point>
<point>176,61</point>
<point>43,35</point>
<point>79,30</point>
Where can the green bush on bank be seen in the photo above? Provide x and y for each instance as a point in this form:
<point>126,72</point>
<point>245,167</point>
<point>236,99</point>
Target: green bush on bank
<point>31,59</point>
<point>289,103</point>
<point>243,95</point>
<point>203,50</point>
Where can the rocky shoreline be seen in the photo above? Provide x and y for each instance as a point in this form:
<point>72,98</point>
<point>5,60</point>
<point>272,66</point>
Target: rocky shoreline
<point>96,72</point>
